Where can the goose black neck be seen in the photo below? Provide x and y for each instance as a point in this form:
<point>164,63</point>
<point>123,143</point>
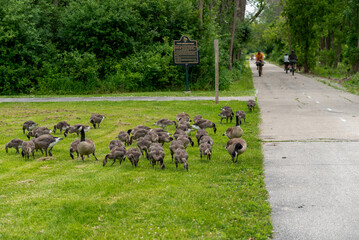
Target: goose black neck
<point>82,135</point>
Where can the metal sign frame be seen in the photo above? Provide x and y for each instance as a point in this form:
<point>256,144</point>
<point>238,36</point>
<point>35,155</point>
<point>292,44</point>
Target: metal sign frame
<point>185,53</point>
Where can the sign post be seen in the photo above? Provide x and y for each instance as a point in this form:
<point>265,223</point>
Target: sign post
<point>185,53</point>
<point>216,74</point>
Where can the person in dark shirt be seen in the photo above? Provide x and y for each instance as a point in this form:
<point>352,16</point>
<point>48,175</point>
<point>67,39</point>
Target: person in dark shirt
<point>293,58</point>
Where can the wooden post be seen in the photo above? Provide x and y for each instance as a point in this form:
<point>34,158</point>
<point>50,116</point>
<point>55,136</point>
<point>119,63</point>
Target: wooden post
<point>216,75</point>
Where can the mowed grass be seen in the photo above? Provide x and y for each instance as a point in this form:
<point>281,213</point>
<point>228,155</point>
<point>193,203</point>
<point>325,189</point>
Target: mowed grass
<point>61,198</point>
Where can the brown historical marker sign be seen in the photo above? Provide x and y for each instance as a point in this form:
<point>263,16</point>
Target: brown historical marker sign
<point>185,52</point>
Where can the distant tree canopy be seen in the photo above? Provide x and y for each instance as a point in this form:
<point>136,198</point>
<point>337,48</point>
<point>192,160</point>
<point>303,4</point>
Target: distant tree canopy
<point>90,46</point>
<point>321,32</point>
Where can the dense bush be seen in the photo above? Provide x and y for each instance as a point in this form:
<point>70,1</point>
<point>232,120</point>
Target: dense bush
<point>89,46</point>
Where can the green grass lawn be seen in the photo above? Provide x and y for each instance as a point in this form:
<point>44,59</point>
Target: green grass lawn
<point>61,198</point>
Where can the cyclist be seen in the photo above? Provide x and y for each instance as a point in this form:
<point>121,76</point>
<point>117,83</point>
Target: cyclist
<point>286,61</point>
<point>293,58</point>
<point>259,58</point>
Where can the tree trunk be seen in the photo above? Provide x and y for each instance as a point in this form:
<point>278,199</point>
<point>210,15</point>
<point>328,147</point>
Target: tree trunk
<point>289,41</point>
<point>233,34</point>
<point>242,9</point>
<point>200,8</point>
<point>328,42</point>
<point>337,55</point>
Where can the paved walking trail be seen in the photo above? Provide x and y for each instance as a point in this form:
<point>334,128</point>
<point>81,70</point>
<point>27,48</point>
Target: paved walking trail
<point>311,152</point>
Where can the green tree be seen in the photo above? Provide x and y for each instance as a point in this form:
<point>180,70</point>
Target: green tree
<point>303,17</point>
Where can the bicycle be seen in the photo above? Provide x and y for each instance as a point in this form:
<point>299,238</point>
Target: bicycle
<point>260,67</point>
<point>292,64</point>
<point>286,66</point>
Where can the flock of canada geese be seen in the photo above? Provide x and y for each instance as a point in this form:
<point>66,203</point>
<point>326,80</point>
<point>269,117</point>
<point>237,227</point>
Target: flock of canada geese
<point>149,141</point>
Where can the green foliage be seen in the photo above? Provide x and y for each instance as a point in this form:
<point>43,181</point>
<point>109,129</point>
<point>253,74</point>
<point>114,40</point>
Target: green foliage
<point>108,46</point>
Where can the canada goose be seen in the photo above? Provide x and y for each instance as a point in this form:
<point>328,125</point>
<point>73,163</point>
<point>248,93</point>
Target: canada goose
<point>134,155</point>
<point>124,137</point>
<point>157,155</point>
<point>76,129</point>
<point>164,122</point>
<point>200,133</point>
<point>139,127</point>
<point>115,143</point>
<point>181,156</point>
<point>45,142</point>
<point>234,132</point>
<point>251,104</point>
<point>226,114</point>
<point>205,149</point>
<point>14,143</point>
<point>28,125</point>
<point>235,147</point>
<point>239,116</point>
<point>206,139</point>
<point>85,146</point>
<point>183,116</point>
<point>197,117</point>
<point>63,125</point>
<point>186,140</point>
<point>96,119</point>
<point>176,144</point>
<point>204,123</point>
<point>38,131</point>
<point>28,148</point>
<point>73,148</point>
<point>116,153</point>
<point>143,144</point>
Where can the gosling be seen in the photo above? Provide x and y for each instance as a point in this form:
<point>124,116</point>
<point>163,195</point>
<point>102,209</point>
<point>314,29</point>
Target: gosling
<point>116,153</point>
<point>96,119</point>
<point>164,122</point>
<point>28,125</point>
<point>73,148</point>
<point>181,156</point>
<point>251,104</point>
<point>63,125</point>
<point>205,149</point>
<point>14,143</point>
<point>239,116</point>
<point>134,155</point>
<point>28,148</point>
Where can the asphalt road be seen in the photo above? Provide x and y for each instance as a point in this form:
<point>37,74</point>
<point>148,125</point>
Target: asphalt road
<point>311,151</point>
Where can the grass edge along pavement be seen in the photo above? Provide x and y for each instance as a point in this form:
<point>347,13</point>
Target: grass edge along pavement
<point>60,198</point>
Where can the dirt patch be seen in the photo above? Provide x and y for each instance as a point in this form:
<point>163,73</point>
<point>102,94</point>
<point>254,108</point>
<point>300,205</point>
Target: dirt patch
<point>28,181</point>
<point>45,159</point>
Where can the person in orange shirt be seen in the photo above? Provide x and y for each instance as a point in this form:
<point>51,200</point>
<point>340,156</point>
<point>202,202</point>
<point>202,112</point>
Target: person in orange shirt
<point>259,58</point>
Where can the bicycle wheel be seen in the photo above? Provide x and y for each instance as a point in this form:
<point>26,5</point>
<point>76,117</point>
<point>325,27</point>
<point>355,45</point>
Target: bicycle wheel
<point>293,70</point>
<point>260,70</point>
